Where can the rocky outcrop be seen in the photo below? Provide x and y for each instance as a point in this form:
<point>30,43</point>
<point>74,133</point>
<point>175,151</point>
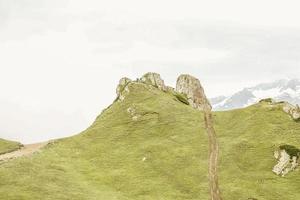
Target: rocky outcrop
<point>293,111</point>
<point>155,80</point>
<point>187,86</point>
<point>122,88</point>
<point>150,79</point>
<point>285,162</point>
<point>191,87</point>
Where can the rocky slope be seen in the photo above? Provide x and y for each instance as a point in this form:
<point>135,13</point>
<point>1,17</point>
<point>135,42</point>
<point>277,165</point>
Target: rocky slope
<point>281,90</point>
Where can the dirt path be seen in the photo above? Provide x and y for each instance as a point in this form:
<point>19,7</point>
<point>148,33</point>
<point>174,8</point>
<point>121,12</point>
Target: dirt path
<point>26,150</point>
<point>213,156</point>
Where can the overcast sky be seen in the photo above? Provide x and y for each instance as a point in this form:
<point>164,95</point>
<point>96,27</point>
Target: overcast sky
<point>60,61</point>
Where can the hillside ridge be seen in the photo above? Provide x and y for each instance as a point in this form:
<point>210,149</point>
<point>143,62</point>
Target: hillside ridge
<point>154,144</point>
<point>192,90</point>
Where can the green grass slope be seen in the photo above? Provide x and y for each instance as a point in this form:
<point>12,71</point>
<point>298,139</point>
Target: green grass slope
<point>248,138</point>
<point>163,154</point>
<point>7,146</point>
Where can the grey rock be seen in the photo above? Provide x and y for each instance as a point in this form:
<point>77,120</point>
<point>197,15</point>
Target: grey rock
<point>155,80</point>
<point>191,87</point>
<point>285,163</point>
<point>122,89</point>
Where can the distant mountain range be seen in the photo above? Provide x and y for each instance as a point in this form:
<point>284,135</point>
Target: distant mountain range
<point>280,90</point>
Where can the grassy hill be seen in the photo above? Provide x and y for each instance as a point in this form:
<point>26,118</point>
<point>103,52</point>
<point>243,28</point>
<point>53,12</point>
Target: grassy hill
<point>159,153</point>
<point>8,146</point>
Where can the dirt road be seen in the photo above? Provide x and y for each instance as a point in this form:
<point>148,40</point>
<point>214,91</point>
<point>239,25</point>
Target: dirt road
<point>26,150</point>
<point>213,156</point>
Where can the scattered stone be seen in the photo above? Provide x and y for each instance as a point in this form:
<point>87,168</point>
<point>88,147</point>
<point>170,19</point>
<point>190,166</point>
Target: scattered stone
<point>155,80</point>
<point>191,87</point>
<point>134,115</point>
<point>135,118</point>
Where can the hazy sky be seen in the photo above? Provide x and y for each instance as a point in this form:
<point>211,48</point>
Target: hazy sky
<point>60,61</point>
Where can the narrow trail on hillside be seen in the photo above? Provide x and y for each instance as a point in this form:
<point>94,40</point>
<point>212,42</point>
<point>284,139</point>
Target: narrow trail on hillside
<point>26,150</point>
<point>213,156</point>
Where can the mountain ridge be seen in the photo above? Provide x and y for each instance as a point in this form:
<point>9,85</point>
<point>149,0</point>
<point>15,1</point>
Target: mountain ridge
<point>280,90</point>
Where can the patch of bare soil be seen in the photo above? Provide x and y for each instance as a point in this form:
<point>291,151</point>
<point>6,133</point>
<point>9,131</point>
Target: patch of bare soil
<point>26,150</point>
<point>213,156</point>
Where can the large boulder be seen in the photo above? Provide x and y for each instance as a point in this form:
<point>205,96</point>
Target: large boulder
<point>285,162</point>
<point>155,80</point>
<point>191,87</point>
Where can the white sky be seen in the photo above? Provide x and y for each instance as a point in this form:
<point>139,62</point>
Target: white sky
<point>60,60</point>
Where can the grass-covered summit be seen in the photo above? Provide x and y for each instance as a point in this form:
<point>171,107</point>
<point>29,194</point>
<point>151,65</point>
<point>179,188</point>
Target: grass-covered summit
<point>153,146</point>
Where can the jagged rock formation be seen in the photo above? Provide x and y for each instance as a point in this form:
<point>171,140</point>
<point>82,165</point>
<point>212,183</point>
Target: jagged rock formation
<point>122,88</point>
<point>187,85</point>
<point>155,80</point>
<point>151,79</point>
<point>293,111</point>
<point>191,87</point>
<point>285,162</point>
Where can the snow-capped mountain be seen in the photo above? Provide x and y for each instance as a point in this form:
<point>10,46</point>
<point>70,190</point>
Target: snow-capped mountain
<point>281,90</point>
